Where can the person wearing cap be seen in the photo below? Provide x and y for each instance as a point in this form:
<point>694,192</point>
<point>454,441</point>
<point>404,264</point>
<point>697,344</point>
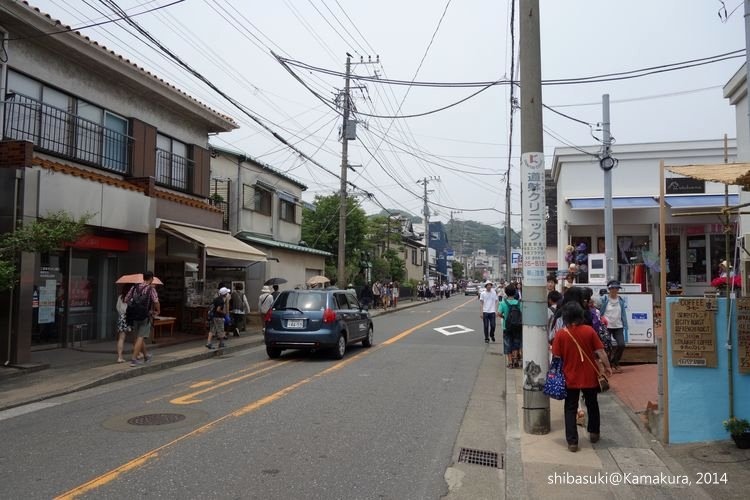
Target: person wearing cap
<point>613,310</point>
<point>488,311</point>
<point>218,313</point>
<point>265,301</point>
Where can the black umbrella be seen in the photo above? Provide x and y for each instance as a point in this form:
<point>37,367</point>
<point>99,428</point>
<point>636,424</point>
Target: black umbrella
<point>275,281</point>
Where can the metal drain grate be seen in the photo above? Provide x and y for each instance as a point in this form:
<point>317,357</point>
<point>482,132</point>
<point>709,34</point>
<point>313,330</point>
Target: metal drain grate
<point>480,457</point>
<point>156,419</point>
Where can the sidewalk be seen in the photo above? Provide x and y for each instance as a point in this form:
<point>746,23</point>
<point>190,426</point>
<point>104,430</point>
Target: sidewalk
<point>549,470</point>
<point>56,372</point>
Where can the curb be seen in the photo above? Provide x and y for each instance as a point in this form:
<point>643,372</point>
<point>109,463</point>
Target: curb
<point>140,370</point>
<point>515,483</point>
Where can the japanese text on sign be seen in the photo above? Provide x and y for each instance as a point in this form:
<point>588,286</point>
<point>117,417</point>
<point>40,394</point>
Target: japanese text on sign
<point>533,219</point>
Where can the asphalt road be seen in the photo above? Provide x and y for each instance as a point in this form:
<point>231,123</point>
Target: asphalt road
<point>381,423</point>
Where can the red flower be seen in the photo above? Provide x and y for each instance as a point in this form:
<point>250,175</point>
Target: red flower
<point>721,282</point>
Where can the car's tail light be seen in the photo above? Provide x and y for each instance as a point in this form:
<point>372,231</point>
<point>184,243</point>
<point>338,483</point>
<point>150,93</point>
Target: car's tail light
<point>329,315</point>
<point>267,317</point>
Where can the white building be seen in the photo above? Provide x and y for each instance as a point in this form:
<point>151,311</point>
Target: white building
<point>695,238</point>
<point>263,208</point>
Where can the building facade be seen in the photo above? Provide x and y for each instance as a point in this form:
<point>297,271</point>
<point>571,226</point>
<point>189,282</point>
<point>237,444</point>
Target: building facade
<point>264,209</point>
<point>695,243</point>
<point>92,134</point>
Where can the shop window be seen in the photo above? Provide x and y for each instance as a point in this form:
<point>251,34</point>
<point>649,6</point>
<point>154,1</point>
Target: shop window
<point>696,259</point>
<point>674,262</point>
<point>718,252</point>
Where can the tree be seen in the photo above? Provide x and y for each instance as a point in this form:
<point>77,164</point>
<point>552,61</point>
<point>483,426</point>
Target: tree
<point>320,230</point>
<point>458,270</point>
<point>42,235</point>
<point>389,267</point>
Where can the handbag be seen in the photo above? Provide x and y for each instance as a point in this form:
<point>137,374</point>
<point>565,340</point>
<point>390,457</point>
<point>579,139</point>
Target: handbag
<point>554,385</point>
<point>601,378</point>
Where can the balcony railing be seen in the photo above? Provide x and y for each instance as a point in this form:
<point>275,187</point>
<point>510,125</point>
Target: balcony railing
<point>173,170</point>
<point>63,134</point>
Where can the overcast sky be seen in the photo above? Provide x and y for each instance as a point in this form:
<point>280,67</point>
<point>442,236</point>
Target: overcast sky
<point>229,41</point>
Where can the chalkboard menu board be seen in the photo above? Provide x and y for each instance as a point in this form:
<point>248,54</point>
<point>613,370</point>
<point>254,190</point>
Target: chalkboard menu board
<point>693,334</point>
<point>743,334</point>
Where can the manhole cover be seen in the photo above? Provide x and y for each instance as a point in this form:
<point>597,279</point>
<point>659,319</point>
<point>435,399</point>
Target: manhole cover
<point>480,457</point>
<point>156,419</point>
<point>720,453</point>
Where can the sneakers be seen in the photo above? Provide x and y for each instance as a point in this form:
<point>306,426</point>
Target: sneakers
<point>148,357</point>
<point>210,346</point>
<point>573,448</point>
<point>486,341</point>
<point>135,362</point>
<point>493,338</point>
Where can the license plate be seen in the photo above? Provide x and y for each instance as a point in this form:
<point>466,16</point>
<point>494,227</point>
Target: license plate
<point>295,323</point>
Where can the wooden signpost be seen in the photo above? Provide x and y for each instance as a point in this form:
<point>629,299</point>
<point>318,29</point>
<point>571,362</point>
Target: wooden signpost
<point>694,334</point>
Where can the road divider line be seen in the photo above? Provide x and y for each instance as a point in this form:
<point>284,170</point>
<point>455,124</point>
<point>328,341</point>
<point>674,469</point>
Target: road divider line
<point>137,462</point>
<point>189,399</point>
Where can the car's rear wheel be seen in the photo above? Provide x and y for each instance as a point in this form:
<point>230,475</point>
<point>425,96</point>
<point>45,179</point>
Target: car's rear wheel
<point>340,349</point>
<point>367,341</point>
<point>273,352</point>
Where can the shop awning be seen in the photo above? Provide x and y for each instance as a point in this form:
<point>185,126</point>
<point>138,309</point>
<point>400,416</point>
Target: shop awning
<point>617,202</point>
<point>217,243</point>
<point>737,174</point>
<point>700,200</point>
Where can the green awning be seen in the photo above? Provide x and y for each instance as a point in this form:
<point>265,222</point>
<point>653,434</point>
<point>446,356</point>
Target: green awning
<point>257,240</point>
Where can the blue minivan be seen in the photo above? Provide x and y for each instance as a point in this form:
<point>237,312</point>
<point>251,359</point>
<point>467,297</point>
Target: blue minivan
<point>316,319</point>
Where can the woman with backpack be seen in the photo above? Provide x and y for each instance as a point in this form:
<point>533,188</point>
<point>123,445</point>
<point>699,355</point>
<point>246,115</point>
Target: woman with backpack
<point>510,311</point>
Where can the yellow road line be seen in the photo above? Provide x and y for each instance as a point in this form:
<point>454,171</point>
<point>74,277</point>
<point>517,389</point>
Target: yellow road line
<point>189,398</point>
<point>113,474</point>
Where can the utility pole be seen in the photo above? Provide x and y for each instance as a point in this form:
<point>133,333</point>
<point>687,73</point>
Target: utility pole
<point>426,212</point>
<point>535,346</point>
<point>341,269</point>
<point>348,133</point>
<point>607,163</point>
<point>508,233</point>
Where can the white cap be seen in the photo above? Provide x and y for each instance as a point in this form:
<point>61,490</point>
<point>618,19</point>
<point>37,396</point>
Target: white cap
<point>223,291</point>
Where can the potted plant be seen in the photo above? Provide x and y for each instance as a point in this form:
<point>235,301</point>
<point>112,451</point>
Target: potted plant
<point>739,429</point>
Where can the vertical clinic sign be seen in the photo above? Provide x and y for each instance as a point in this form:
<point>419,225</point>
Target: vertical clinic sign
<point>533,229</point>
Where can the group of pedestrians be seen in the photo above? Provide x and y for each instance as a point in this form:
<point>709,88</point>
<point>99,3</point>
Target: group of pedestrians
<point>508,308</point>
<point>589,338</point>
<point>138,305</point>
<point>384,295</point>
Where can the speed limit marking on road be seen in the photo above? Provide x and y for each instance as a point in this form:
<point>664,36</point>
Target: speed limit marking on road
<point>453,329</point>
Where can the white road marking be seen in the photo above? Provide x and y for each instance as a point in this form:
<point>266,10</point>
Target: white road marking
<point>453,329</point>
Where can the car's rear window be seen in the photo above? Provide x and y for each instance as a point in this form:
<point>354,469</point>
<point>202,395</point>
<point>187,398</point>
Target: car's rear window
<point>304,301</point>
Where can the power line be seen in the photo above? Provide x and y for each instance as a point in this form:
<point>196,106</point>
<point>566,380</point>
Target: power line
<point>621,75</point>
<point>93,25</point>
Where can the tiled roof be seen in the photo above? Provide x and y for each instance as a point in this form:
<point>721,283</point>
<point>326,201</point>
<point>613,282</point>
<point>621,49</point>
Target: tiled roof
<point>121,183</point>
<point>103,48</point>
